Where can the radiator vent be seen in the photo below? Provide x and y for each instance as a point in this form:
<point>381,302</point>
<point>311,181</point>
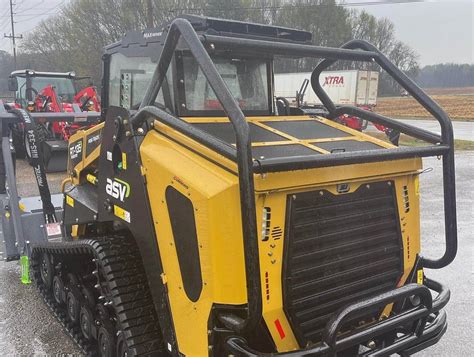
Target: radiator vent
<point>406,199</point>
<point>338,249</point>
<point>266,222</point>
<point>277,233</point>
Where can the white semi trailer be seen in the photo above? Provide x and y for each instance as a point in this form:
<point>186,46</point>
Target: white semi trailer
<point>352,87</point>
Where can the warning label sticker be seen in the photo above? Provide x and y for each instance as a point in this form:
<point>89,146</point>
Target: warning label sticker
<point>121,213</point>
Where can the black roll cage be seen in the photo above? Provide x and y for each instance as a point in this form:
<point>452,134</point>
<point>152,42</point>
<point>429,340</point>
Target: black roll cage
<point>201,46</point>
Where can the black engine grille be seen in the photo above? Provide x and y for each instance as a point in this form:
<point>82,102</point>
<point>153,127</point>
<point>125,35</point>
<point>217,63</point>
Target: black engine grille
<point>339,249</point>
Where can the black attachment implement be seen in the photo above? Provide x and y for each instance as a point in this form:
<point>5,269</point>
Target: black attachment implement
<point>37,164</point>
<point>14,248</point>
<point>13,116</point>
<point>17,238</point>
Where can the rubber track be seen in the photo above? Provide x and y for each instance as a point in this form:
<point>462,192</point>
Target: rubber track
<point>121,265</point>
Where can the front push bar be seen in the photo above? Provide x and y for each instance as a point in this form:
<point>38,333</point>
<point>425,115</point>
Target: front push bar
<point>417,328</point>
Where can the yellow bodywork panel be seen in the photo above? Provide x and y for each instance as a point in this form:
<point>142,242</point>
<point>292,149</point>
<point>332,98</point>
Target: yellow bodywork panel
<point>80,142</point>
<point>214,195</point>
<point>210,182</point>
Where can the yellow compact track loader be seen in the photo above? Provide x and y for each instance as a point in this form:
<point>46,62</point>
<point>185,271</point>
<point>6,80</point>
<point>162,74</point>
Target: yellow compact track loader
<point>201,218</point>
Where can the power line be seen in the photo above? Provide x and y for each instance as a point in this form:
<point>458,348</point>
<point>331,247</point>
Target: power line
<point>12,35</point>
<point>6,19</point>
<point>38,3</point>
<point>48,11</point>
<point>26,14</point>
<point>30,16</point>
<point>18,6</point>
<point>292,6</point>
<point>379,2</point>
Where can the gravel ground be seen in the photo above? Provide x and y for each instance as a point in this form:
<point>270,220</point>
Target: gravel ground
<point>26,327</point>
<point>459,276</point>
<point>26,183</point>
<point>463,130</point>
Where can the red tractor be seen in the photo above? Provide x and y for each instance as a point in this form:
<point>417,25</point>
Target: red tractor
<point>350,121</point>
<point>50,92</point>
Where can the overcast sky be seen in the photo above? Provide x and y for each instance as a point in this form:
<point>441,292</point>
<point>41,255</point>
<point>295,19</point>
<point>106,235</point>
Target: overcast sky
<point>439,30</point>
<point>27,14</point>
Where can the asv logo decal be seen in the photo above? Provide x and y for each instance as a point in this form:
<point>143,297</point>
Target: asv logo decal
<point>118,189</point>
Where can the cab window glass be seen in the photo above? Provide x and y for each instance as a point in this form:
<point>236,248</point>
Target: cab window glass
<point>246,79</point>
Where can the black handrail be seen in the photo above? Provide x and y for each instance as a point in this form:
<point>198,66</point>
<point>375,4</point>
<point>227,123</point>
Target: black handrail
<point>447,138</point>
<point>286,49</point>
<point>347,158</point>
<point>383,120</point>
<point>181,28</point>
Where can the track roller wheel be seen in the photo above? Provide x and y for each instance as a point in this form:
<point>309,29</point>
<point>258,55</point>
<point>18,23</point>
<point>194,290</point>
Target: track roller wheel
<point>89,297</point>
<point>86,320</point>
<point>72,279</point>
<point>46,270</point>
<point>73,302</point>
<point>122,348</point>
<point>58,290</point>
<point>103,312</point>
<point>106,341</point>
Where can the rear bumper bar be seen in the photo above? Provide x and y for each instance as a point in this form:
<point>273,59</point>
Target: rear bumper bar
<point>426,325</point>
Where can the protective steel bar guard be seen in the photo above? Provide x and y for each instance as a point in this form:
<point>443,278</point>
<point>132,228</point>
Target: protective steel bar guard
<point>447,137</point>
<point>421,336</point>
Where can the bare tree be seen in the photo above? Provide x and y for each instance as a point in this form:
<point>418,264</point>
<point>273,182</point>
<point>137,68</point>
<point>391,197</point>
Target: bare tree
<point>74,39</point>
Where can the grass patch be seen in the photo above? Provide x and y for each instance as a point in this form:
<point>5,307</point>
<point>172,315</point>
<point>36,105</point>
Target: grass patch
<point>459,145</point>
<point>458,107</point>
<point>405,140</point>
<point>463,144</point>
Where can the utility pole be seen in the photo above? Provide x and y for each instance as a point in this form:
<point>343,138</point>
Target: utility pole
<point>12,35</point>
<point>149,13</point>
